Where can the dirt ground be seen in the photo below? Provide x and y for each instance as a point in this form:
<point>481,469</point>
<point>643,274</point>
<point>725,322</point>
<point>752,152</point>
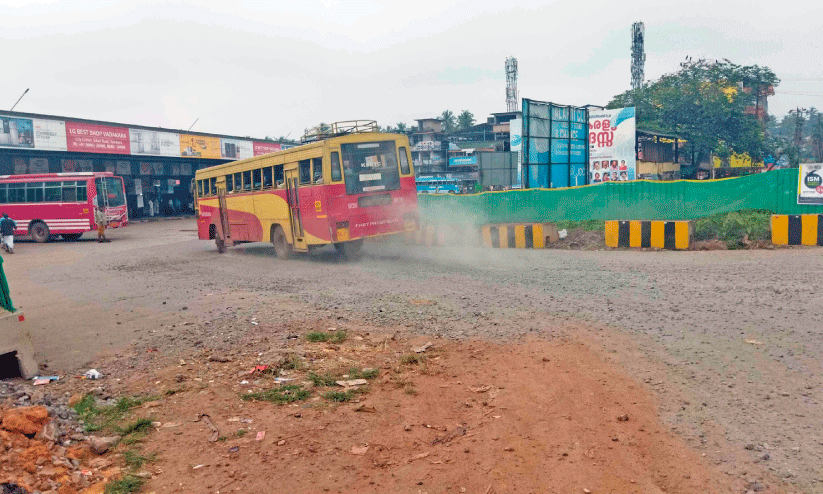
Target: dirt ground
<point>714,355</point>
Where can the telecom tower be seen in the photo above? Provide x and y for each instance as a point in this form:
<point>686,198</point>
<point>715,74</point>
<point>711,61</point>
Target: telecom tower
<point>638,54</point>
<point>511,84</point>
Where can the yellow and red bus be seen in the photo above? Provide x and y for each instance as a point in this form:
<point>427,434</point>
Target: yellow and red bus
<point>346,186</point>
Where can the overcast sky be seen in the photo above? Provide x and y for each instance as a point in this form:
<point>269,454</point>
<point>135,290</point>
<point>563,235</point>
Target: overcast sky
<point>275,68</point>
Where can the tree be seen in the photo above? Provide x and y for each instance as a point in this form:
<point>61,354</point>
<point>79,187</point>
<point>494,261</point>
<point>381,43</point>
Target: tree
<point>449,121</point>
<point>465,120</point>
<point>705,102</point>
<point>401,128</point>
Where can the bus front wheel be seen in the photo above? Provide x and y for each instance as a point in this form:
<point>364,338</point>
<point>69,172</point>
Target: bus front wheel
<point>350,249</point>
<point>282,248</point>
<point>39,231</point>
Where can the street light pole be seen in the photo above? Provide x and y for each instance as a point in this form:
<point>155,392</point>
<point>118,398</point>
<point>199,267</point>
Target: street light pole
<point>18,99</point>
<point>192,125</point>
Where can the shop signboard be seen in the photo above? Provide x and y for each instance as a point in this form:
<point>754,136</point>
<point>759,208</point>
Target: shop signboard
<point>93,138</point>
<point>261,148</point>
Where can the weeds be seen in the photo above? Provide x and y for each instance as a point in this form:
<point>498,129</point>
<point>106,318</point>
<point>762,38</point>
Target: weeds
<point>731,227</point>
<point>355,373</point>
<point>139,425</point>
<point>136,461</point>
<point>284,394</point>
<point>321,380</point>
<point>124,485</point>
<point>241,432</point>
<point>587,225</point>
<point>343,396</point>
<point>411,359</point>
<point>97,418</point>
<point>326,337</point>
<point>292,362</point>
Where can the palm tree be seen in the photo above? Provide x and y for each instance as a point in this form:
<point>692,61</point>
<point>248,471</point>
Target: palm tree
<point>401,128</point>
<point>465,120</point>
<point>449,121</point>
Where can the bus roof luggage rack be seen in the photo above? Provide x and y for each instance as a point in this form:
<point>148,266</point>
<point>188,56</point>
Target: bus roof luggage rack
<point>336,129</point>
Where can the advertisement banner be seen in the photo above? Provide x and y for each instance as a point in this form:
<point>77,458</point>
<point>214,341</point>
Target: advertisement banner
<point>192,146</point>
<point>16,132</point>
<point>810,184</point>
<point>49,135</point>
<point>235,149</point>
<point>123,167</point>
<point>154,143</point>
<point>91,138</point>
<point>611,145</point>
<point>39,165</point>
<point>261,148</point>
<point>463,161</point>
<point>516,143</point>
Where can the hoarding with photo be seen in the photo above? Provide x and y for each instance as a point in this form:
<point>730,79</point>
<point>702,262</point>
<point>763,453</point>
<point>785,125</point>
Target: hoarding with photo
<point>16,132</point>
<point>92,138</point>
<point>236,149</point>
<point>192,146</point>
<point>612,155</point>
<point>261,148</point>
<point>154,143</point>
<point>810,184</point>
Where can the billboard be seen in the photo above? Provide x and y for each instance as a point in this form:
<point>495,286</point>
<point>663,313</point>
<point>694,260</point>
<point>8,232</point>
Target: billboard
<point>235,149</point>
<point>463,161</point>
<point>612,145</point>
<point>516,143</point>
<point>810,184</point>
<point>154,143</point>
<point>93,138</point>
<point>555,150</point>
<point>192,146</point>
<point>261,148</point>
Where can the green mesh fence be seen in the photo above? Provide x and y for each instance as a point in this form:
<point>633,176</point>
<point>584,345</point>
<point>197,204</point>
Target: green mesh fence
<point>775,191</point>
<point>5,297</point>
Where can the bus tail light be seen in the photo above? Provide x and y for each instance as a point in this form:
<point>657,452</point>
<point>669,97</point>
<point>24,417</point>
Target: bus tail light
<point>410,221</point>
<point>342,231</point>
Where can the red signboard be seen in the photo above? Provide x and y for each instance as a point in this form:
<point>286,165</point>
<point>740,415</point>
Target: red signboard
<point>265,148</point>
<point>90,138</point>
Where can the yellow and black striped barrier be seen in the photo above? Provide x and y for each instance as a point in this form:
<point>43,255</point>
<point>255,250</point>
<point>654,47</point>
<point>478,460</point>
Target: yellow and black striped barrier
<point>671,235</point>
<point>797,229</point>
<point>428,235</point>
<point>519,235</point>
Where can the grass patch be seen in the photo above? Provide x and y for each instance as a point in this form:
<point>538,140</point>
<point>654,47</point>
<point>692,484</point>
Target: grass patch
<point>106,418</point>
<point>342,396</point>
<point>411,359</point>
<point>730,228</point>
<point>410,390</point>
<point>124,485</point>
<point>172,391</point>
<point>284,394</point>
<point>139,425</point>
<point>355,373</point>
<point>292,362</point>
<point>326,336</point>
<point>322,380</point>
<point>587,225</point>
<point>135,460</point>
<point>241,432</point>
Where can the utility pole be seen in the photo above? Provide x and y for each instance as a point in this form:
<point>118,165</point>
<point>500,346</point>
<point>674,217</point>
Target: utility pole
<point>18,99</point>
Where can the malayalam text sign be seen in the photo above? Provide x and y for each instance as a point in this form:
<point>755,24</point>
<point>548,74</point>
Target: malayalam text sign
<point>611,145</point>
<point>92,138</point>
<point>810,184</point>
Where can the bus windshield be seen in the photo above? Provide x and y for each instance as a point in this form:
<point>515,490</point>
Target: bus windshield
<point>113,188</point>
<point>370,167</point>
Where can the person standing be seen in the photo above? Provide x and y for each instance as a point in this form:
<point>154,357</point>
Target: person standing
<point>7,227</point>
<point>100,219</point>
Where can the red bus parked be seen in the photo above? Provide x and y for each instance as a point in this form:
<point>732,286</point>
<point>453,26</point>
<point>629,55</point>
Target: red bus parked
<point>62,203</point>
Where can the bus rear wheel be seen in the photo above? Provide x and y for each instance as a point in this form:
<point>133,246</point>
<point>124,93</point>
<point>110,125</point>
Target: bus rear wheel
<point>349,250</point>
<point>39,231</point>
<point>282,248</point>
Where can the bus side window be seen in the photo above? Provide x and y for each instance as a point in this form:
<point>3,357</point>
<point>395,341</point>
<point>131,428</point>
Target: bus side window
<point>54,192</point>
<point>336,173</point>
<point>267,178</point>
<point>404,161</point>
<point>305,172</point>
<point>69,192</point>
<point>278,175</point>
<point>238,182</point>
<point>229,184</point>
<point>257,179</point>
<point>199,188</point>
<point>247,180</point>
<point>81,191</point>
<point>3,189</point>
<point>317,170</point>
<point>213,186</point>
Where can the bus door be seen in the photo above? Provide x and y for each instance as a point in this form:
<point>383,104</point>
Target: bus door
<point>292,178</point>
<point>223,228</point>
